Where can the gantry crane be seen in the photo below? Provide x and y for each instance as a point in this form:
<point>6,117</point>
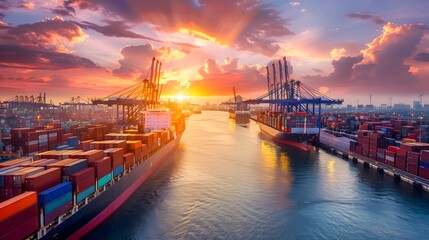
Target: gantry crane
<point>292,96</point>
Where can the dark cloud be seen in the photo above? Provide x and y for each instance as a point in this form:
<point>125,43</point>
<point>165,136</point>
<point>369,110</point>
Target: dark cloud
<point>2,15</point>
<point>422,57</point>
<point>369,17</point>
<point>39,58</point>
<point>115,29</point>
<point>317,70</point>
<point>42,45</point>
<point>65,10</point>
<point>381,67</point>
<point>247,24</point>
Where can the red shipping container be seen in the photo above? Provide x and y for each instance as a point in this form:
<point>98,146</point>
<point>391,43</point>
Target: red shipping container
<point>400,162</point>
<point>43,180</point>
<point>424,156</point>
<point>424,172</point>
<point>128,160</point>
<point>15,220</point>
<point>392,148</point>
<point>83,179</point>
<point>116,154</point>
<point>413,157</point>
<point>412,168</point>
<point>381,153</point>
<point>138,154</point>
<point>22,230</point>
<point>390,158</point>
<point>102,166</point>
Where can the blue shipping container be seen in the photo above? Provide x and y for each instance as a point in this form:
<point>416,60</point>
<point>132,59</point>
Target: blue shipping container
<point>58,202</point>
<point>104,180</point>
<point>54,193</point>
<point>85,193</point>
<point>73,141</point>
<point>118,170</point>
<point>424,164</point>
<point>75,167</point>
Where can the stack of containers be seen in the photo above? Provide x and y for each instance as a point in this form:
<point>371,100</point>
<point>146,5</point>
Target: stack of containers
<point>69,166</point>
<point>13,182</point>
<point>413,159</point>
<point>365,145</point>
<point>381,154</point>
<point>21,139</point>
<point>3,172</point>
<point>19,216</point>
<point>64,137</point>
<point>56,201</point>
<point>43,141</point>
<point>390,157</point>
<point>52,138</point>
<point>43,180</point>
<point>424,164</point>
<point>116,155</point>
<point>401,159</point>
<point>83,183</point>
<point>128,160</point>
<point>86,145</point>
<point>135,147</point>
<point>103,171</point>
<point>377,141</point>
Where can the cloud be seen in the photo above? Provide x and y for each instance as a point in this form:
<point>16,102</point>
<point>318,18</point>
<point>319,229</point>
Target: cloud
<point>136,60</point>
<point>52,33</point>
<point>246,25</point>
<point>294,4</point>
<point>369,17</point>
<point>115,29</point>
<point>39,58</point>
<point>337,53</point>
<point>380,67</point>
<point>65,10</point>
<point>42,45</point>
<point>28,5</point>
<point>219,79</point>
<point>422,57</point>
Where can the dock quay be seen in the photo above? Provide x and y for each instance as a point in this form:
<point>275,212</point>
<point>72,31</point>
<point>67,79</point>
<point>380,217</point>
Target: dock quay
<point>335,145</point>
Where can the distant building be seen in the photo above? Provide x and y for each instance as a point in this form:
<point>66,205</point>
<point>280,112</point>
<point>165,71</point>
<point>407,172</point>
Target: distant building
<point>401,106</point>
<point>417,105</point>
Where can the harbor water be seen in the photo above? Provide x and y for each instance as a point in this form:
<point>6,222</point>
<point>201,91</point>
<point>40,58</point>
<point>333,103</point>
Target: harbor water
<point>229,181</point>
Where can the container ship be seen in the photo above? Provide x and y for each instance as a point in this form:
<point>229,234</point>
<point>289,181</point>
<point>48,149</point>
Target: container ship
<point>291,129</point>
<point>67,192</point>
<point>398,144</point>
<point>238,110</point>
<point>294,109</point>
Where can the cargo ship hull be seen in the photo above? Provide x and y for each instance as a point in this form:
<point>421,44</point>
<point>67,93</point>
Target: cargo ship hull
<point>101,207</point>
<point>296,140</point>
<point>240,116</point>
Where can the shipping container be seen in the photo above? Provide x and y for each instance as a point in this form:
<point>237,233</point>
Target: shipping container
<point>43,180</point>
<point>54,192</point>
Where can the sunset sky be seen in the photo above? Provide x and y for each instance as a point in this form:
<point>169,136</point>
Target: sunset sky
<point>92,48</point>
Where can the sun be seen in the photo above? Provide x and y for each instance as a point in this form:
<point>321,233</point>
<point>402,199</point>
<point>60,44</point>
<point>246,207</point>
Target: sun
<point>180,97</point>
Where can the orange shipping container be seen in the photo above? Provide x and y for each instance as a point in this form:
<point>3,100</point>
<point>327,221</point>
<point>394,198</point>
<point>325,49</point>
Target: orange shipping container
<point>12,206</point>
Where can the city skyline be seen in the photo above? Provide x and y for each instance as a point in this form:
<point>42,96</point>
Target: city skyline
<point>348,50</point>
